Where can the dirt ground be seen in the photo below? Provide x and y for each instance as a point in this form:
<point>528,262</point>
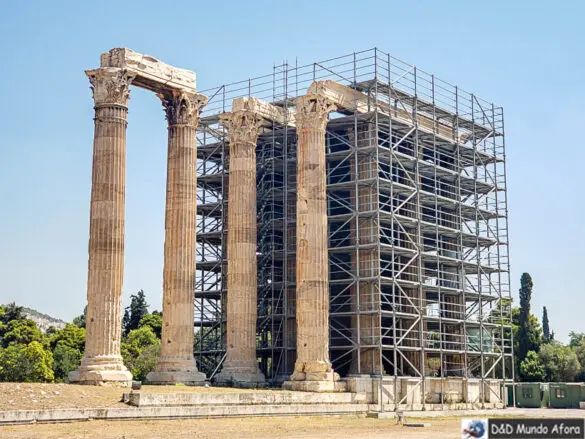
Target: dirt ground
<point>22,396</point>
<point>36,396</point>
<point>247,428</point>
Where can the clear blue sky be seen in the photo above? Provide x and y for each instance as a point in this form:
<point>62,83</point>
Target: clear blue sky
<point>528,56</point>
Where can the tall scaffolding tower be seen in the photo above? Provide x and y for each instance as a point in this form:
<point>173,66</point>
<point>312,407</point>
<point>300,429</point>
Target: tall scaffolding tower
<point>417,217</point>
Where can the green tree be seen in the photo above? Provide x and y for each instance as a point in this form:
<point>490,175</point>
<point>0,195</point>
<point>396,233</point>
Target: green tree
<point>533,331</point>
<point>21,331</point>
<point>580,352</point>
<point>546,335</point>
<point>153,321</point>
<point>2,321</point>
<point>140,351</point>
<point>560,361</point>
<point>133,313</point>
<point>141,337</point>
<point>533,334</point>
<point>576,338</point>
<point>66,359</point>
<point>71,336</point>
<point>26,363</point>
<point>524,342</point>
<point>13,312</point>
<point>80,320</point>
<point>532,368</point>
<point>146,361</point>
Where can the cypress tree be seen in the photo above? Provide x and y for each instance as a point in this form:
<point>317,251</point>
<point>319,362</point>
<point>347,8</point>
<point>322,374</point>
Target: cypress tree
<point>545,326</point>
<point>524,317</point>
<point>133,313</point>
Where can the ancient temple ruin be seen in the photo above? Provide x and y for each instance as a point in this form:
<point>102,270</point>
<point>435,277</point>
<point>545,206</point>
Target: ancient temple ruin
<point>351,225</point>
<point>102,362</point>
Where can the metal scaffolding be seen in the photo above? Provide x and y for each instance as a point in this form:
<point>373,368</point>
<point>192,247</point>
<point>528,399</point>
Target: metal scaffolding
<point>417,217</point>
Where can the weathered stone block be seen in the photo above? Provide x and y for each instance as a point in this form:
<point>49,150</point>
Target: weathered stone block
<point>151,73</point>
<point>374,392</point>
<point>450,389</point>
<point>472,391</point>
<point>493,391</point>
<point>164,377</point>
<point>411,391</point>
<point>263,109</point>
<point>315,386</point>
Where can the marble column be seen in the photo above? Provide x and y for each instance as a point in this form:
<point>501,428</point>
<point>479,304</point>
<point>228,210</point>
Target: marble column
<point>102,362</point>
<point>177,363</point>
<point>313,371</point>
<point>241,365</point>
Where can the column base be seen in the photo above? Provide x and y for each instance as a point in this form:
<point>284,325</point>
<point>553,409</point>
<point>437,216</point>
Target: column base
<point>101,370</point>
<point>315,382</point>
<point>170,372</point>
<point>315,386</point>
<point>246,377</point>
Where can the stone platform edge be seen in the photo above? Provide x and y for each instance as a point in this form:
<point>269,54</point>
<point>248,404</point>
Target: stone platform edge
<point>15,417</point>
<point>139,399</point>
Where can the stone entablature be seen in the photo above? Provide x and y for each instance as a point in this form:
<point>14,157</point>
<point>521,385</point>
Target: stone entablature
<point>149,72</point>
<point>264,110</point>
<point>357,102</point>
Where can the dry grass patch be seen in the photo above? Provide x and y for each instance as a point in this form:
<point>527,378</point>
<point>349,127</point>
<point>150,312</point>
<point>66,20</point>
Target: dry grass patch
<point>240,428</point>
<point>37,396</point>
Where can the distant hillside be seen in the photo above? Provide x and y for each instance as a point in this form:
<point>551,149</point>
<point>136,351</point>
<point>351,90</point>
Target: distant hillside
<point>43,321</point>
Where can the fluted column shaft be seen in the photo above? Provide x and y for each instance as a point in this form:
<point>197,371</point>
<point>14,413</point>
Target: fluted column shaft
<point>106,236</point>
<point>241,365</point>
<point>176,362</point>
<point>312,257</point>
<point>102,361</point>
<point>312,277</point>
<point>179,247</point>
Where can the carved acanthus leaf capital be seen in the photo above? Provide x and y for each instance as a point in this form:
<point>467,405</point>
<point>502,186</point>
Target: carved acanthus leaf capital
<point>312,112</point>
<point>110,85</point>
<point>182,108</point>
<point>242,126</point>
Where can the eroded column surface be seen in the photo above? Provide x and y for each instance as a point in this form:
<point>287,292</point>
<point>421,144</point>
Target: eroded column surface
<point>102,362</point>
<point>176,363</point>
<point>241,365</point>
<point>313,371</point>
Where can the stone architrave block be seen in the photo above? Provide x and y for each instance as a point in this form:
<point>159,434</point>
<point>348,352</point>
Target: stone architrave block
<point>355,101</point>
<point>265,110</point>
<point>151,73</point>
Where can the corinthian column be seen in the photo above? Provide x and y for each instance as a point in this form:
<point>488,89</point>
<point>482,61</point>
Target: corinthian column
<point>176,363</point>
<point>102,362</point>
<point>241,365</point>
<point>313,371</point>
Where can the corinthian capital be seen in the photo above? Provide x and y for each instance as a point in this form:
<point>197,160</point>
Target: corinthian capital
<point>312,112</point>
<point>110,85</point>
<point>242,126</point>
<point>182,108</point>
